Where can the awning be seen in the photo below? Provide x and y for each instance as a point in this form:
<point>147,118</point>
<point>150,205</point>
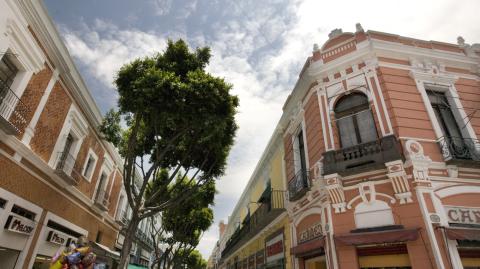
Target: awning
<point>108,252</point>
<point>388,236</point>
<point>463,234</point>
<point>311,247</point>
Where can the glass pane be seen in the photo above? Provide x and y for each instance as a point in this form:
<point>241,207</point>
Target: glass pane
<point>452,127</point>
<point>346,130</point>
<point>366,126</point>
<point>351,101</point>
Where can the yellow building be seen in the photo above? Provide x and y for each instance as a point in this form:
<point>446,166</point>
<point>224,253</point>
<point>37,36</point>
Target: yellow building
<point>258,231</point>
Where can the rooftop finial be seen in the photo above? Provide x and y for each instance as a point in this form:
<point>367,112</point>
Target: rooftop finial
<point>335,32</point>
<point>315,47</point>
<point>359,27</point>
<point>460,41</point>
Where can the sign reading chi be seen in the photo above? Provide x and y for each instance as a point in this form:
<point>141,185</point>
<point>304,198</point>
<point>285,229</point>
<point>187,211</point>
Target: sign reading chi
<point>19,225</point>
<point>466,215</point>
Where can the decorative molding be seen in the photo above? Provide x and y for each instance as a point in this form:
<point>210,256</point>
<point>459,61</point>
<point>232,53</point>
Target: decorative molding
<point>397,175</point>
<point>334,187</point>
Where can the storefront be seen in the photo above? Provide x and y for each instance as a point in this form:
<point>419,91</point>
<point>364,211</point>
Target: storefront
<point>382,247</point>
<point>18,220</point>
<point>464,230</point>
<point>310,248</point>
<point>275,250</point>
<point>260,259</point>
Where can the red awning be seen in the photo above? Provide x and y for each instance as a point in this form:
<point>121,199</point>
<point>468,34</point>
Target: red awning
<point>389,236</point>
<point>309,247</point>
<point>463,234</point>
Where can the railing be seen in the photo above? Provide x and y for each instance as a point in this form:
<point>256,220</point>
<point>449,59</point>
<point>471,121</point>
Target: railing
<point>12,110</point>
<point>143,237</point>
<point>298,185</point>
<point>261,217</point>
<point>460,149</point>
<point>369,155</point>
<point>65,167</point>
<point>102,200</point>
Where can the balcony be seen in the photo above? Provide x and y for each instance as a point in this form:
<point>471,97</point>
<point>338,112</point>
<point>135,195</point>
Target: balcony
<point>271,206</point>
<point>12,110</point>
<point>65,167</point>
<point>102,200</point>
<point>363,157</point>
<point>459,150</point>
<point>144,238</point>
<point>298,185</point>
<point>122,218</point>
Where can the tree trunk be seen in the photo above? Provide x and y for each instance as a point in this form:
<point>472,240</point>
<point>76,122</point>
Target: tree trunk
<point>127,242</point>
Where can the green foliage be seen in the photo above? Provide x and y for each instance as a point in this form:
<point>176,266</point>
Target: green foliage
<point>186,221</point>
<point>192,260</point>
<point>174,96</point>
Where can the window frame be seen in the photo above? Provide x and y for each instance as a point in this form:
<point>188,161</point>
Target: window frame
<point>92,154</point>
<point>352,113</point>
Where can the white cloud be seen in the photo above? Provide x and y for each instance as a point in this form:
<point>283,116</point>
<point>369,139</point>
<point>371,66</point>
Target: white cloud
<point>261,53</point>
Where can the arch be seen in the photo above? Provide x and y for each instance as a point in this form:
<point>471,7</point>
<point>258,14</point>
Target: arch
<point>306,213</point>
<point>373,214</point>
<point>354,119</point>
<point>334,100</point>
<point>458,189</point>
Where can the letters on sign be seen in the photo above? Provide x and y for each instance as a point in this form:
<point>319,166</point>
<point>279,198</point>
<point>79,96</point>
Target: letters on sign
<point>57,238</point>
<point>19,225</point>
<point>466,215</point>
<point>274,248</point>
<point>311,232</point>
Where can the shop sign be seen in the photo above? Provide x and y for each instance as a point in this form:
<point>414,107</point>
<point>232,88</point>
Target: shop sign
<point>311,232</point>
<point>57,238</point>
<point>465,215</point>
<point>19,225</point>
<point>274,248</point>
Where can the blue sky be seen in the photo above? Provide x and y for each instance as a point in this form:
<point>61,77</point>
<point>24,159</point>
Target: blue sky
<point>259,46</point>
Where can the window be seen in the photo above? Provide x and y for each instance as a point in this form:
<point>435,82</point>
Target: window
<point>354,120</point>
<point>65,154</point>
<point>23,212</point>
<point>8,71</point>
<point>87,172</point>
<point>445,117</point>
<point>300,162</point>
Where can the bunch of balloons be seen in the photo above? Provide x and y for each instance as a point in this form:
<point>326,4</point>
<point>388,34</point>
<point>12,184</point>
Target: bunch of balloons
<point>75,256</point>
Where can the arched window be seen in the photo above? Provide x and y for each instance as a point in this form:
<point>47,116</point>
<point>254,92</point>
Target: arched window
<point>354,120</point>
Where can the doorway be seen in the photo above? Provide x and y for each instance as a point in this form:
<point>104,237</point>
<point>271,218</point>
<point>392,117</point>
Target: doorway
<point>316,263</point>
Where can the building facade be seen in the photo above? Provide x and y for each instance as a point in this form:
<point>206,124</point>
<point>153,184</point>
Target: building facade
<point>381,155</point>
<point>258,233</point>
<point>58,179</point>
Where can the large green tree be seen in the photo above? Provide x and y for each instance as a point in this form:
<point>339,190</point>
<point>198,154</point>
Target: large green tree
<point>172,115</point>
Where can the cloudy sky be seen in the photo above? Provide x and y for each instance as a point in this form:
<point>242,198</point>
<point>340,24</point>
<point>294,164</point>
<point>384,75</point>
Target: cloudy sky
<point>258,46</point>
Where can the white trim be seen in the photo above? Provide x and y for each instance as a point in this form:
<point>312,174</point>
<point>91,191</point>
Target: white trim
<point>322,118</point>
<point>429,229</point>
<point>92,154</point>
<point>453,190</point>
<point>11,200</point>
<point>30,130</point>
<point>76,126</point>
<point>377,110</point>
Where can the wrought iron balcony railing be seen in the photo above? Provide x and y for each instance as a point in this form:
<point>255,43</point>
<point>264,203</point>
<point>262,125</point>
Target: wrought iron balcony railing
<point>268,210</point>
<point>102,200</point>
<point>459,149</point>
<point>12,110</point>
<point>66,167</point>
<point>298,185</point>
<point>362,157</point>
